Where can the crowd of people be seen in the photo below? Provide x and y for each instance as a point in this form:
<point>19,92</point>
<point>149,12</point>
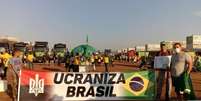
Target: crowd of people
<point>177,74</point>
<point>136,59</point>
<point>10,65</point>
<point>73,61</point>
<point>123,57</point>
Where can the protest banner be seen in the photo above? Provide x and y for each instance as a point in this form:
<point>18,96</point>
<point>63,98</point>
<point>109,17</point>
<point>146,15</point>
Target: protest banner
<point>162,62</point>
<point>60,86</point>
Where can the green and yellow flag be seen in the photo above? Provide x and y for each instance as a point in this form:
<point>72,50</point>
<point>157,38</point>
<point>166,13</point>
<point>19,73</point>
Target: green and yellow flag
<point>140,85</point>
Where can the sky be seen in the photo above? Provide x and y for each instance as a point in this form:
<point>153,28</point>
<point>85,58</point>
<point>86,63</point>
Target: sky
<point>111,24</point>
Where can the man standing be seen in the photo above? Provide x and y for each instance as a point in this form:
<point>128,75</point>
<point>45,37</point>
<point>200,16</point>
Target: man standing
<point>161,76</point>
<point>71,65</point>
<point>181,66</point>
<point>15,64</point>
<point>67,60</point>
<point>30,58</point>
<point>198,62</point>
<point>111,60</point>
<point>93,62</point>
<point>5,57</point>
<point>76,63</point>
<point>106,62</point>
<point>96,59</point>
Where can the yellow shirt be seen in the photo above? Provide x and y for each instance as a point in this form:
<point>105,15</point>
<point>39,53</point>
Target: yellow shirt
<point>96,57</point>
<point>106,59</point>
<point>6,57</point>
<point>92,59</point>
<point>30,57</point>
<point>76,61</point>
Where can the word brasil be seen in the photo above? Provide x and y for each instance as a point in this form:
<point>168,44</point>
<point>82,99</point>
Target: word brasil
<point>93,85</point>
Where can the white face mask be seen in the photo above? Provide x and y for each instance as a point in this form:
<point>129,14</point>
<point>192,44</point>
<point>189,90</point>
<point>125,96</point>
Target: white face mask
<point>177,50</point>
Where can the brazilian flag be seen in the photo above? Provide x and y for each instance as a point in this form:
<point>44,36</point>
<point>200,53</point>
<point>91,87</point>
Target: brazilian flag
<point>188,85</point>
<point>140,85</point>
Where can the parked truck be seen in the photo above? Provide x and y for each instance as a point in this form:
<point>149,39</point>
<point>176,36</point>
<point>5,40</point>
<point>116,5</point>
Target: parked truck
<point>5,46</point>
<point>40,51</point>
<point>21,46</point>
<point>59,52</point>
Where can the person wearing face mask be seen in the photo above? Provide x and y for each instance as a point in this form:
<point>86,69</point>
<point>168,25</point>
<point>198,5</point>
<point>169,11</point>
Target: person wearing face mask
<point>181,66</point>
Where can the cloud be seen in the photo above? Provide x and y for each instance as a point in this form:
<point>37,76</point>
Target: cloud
<point>197,13</point>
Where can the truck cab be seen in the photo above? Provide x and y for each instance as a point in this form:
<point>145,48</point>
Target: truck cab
<point>59,52</point>
<point>4,45</point>
<point>40,51</point>
<point>21,46</point>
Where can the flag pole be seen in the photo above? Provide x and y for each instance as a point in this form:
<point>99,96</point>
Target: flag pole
<point>19,83</point>
<point>87,39</point>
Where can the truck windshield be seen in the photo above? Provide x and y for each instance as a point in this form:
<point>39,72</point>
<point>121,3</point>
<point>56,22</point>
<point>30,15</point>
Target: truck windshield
<point>41,49</point>
<point>59,49</point>
<point>3,45</point>
<point>22,49</point>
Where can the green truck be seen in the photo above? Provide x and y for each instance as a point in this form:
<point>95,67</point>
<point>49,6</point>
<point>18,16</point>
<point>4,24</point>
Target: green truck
<point>21,46</point>
<point>59,52</point>
<point>40,51</point>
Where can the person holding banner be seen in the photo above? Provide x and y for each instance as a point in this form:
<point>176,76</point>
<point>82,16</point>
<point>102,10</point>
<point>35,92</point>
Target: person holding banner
<point>15,65</point>
<point>181,66</point>
<point>161,76</point>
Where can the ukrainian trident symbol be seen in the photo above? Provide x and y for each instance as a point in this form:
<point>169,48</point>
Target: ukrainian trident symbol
<point>36,86</point>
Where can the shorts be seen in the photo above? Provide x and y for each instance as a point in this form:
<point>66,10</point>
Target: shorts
<point>181,82</point>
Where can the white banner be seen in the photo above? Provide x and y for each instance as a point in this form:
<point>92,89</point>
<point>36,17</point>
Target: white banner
<point>162,62</point>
